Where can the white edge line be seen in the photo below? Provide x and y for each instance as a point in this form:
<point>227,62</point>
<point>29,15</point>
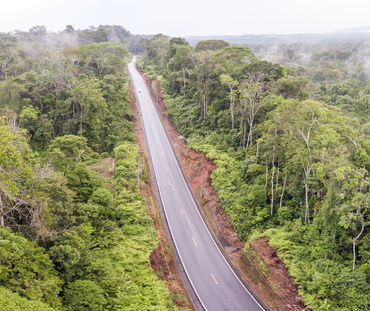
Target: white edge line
<point>196,207</point>
<point>168,223</point>
<point>192,198</point>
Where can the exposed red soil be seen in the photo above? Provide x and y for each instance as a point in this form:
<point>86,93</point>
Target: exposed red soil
<point>161,260</point>
<point>278,274</point>
<point>274,286</point>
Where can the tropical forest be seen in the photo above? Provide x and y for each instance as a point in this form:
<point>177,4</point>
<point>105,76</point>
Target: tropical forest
<point>291,147</point>
<point>74,231</point>
<point>284,120</point>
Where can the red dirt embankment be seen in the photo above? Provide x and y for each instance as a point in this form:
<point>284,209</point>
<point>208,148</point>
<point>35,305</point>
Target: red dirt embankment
<point>260,266</point>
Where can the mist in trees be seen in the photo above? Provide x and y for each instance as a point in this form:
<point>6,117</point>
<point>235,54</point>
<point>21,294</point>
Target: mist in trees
<point>291,149</point>
<point>69,238</point>
<point>286,124</point>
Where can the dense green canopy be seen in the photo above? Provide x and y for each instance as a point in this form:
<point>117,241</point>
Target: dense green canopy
<point>69,238</point>
<point>291,165</point>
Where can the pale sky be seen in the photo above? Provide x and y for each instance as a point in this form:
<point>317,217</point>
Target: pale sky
<point>189,17</point>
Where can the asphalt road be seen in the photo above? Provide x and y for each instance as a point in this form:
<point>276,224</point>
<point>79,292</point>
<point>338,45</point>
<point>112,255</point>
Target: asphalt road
<point>215,283</point>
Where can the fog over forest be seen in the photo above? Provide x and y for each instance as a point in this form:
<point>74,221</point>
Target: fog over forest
<point>282,120</point>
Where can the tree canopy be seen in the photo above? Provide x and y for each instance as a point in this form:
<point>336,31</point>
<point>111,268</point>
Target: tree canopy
<point>71,238</point>
<point>291,165</point>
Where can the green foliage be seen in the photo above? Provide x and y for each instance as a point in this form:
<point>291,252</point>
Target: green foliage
<point>15,162</point>
<point>211,45</point>
<point>28,118</point>
<point>107,251</point>
<point>283,159</point>
<point>323,282</point>
<point>352,96</point>
<point>68,92</point>
<point>67,150</point>
<point>105,57</point>
<point>84,295</point>
<point>11,301</point>
<point>60,200</point>
<point>22,204</point>
<point>94,236</point>
<point>27,269</point>
<point>292,87</point>
<point>246,208</point>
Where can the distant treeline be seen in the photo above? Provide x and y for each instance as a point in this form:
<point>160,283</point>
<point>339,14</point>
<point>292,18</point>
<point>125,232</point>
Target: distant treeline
<point>275,39</point>
<point>71,37</point>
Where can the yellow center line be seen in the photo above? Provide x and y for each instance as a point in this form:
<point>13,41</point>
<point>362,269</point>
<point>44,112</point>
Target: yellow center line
<point>214,279</point>
<point>195,242</point>
<point>182,212</point>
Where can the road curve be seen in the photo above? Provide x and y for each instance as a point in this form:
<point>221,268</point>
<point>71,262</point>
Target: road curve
<point>215,283</point>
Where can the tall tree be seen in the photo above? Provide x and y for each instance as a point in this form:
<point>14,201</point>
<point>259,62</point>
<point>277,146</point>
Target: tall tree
<point>205,74</point>
<point>300,121</point>
<point>251,93</point>
<point>232,86</point>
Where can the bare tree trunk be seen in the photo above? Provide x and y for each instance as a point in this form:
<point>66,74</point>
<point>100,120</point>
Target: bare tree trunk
<point>282,192</point>
<point>272,178</point>
<point>206,107</point>
<point>81,121</point>
<point>277,177</point>
<point>358,212</point>
<point>354,246</point>
<point>267,176</point>
<point>249,141</point>
<point>244,134</point>
<point>307,211</point>
<point>243,127</point>
<point>3,70</point>
<point>232,112</point>
<point>272,188</point>
<point>354,255</point>
<point>232,108</point>
<point>2,223</point>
